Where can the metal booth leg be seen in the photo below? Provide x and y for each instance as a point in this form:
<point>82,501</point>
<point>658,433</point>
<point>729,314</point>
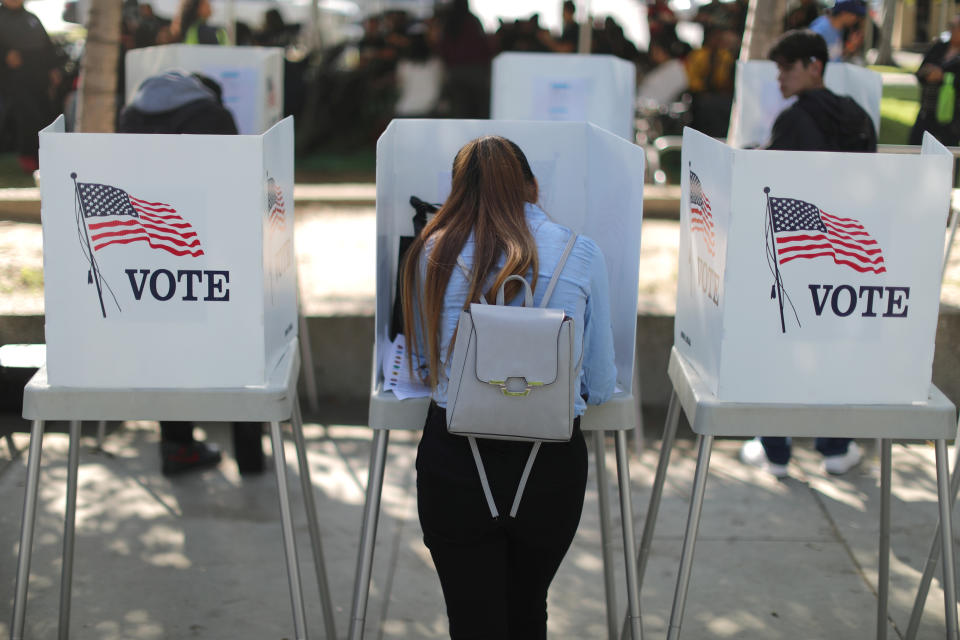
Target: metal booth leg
<point>603,493</point>
<point>629,537</point>
<point>705,445</point>
<point>69,530</point>
<point>946,540</point>
<point>289,541</point>
<point>310,504</point>
<point>932,559</point>
<point>666,446</point>
<point>883,572</point>
<point>368,533</point>
<point>26,530</point>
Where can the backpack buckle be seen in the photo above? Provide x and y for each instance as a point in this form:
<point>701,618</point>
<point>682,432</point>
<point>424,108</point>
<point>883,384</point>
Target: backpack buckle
<point>516,386</point>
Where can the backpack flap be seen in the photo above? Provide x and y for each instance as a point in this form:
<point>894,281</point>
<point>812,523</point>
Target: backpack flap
<point>516,346</point>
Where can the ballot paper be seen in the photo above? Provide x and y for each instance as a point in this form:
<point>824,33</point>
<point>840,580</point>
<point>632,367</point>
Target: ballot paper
<point>396,372</point>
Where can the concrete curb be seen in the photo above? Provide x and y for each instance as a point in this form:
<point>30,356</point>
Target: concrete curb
<point>342,348</point>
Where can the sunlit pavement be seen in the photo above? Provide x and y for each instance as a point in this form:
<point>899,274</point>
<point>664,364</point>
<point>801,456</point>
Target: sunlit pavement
<point>201,555</point>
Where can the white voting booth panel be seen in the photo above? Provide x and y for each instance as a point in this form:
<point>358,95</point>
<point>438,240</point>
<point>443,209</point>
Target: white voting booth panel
<point>168,260</point>
<point>757,100</point>
<point>251,77</point>
<point>590,180</point>
<point>565,87</point>
<point>809,277</point>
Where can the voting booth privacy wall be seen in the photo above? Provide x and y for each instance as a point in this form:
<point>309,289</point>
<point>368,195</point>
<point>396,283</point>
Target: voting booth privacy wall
<point>590,180</point>
<point>809,277</point>
<point>565,87</point>
<point>168,260</point>
<point>757,100</point>
<point>251,77</point>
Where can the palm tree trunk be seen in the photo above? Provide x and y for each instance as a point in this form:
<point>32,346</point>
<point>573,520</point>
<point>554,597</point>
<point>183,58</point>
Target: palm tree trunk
<point>764,26</point>
<point>97,93</point>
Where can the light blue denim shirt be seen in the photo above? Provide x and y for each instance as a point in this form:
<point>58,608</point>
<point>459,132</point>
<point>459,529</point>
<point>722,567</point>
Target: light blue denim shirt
<point>582,291</point>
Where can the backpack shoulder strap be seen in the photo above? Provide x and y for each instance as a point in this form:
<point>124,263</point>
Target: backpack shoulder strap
<point>556,272</point>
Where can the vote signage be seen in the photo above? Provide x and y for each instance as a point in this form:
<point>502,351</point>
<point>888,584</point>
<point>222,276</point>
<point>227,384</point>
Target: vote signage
<point>251,77</point>
<point>565,87</point>
<point>811,277</point>
<point>168,260</point>
<point>757,100</point>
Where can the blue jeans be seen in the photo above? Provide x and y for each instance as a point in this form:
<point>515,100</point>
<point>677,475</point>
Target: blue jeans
<point>778,449</point>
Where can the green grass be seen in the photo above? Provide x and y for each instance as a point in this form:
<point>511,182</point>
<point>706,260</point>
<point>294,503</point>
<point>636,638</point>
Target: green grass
<point>358,164</point>
<point>898,111</point>
<point>11,175</point>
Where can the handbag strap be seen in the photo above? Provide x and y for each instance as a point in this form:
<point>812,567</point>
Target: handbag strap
<point>535,447</point>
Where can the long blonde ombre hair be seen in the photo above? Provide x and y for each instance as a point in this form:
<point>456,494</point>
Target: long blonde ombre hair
<point>491,183</point>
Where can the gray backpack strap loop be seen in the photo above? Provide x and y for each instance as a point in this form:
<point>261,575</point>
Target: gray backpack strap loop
<point>523,479</point>
<point>556,272</point>
<point>483,477</point>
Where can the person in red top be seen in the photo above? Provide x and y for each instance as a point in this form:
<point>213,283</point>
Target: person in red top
<point>466,53</point>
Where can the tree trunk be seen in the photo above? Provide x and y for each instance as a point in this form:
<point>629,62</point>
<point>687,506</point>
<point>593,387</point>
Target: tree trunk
<point>885,52</point>
<point>97,93</point>
<point>764,26</point>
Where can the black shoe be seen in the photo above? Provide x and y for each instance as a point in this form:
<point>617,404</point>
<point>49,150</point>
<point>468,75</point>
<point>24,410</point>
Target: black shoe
<point>191,456</point>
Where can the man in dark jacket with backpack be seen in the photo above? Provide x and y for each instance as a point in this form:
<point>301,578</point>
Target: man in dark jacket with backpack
<point>819,120</point>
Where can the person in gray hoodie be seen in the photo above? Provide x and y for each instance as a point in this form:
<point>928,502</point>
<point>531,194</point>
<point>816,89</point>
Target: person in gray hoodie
<point>177,102</point>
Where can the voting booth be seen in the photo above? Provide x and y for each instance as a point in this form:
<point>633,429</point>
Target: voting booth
<point>251,77</point>
<point>591,181</point>
<point>565,87</point>
<point>757,100</point>
<point>168,260</point>
<point>811,277</point>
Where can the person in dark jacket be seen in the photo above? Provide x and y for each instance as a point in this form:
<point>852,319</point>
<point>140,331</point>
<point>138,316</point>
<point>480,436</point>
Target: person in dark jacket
<point>943,58</point>
<point>178,102</point>
<point>29,73</point>
<point>819,120</point>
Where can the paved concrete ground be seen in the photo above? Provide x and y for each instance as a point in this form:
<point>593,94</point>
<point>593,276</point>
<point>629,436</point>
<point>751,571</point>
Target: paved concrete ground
<point>201,556</point>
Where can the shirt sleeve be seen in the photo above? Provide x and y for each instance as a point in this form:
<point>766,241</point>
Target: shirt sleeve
<point>599,370</point>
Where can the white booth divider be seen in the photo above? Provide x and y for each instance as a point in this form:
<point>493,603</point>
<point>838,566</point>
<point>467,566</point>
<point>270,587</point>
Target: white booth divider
<point>565,87</point>
<point>757,100</point>
<point>251,77</point>
<point>811,278</point>
<point>168,260</point>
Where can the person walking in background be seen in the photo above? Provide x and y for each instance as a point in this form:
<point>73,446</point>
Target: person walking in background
<point>939,76</point>
<point>190,24</point>
<point>29,75</point>
<point>846,14</point>
<point>819,120</point>
<point>495,573</point>
<point>466,53</point>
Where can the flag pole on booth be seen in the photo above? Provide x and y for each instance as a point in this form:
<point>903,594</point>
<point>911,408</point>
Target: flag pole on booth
<point>778,284</point>
<point>82,221</point>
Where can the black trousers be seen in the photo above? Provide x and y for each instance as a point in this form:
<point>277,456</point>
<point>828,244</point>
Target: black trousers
<point>495,573</point>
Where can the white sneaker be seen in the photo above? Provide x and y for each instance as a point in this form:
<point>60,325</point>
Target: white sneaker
<point>840,464</point>
<point>752,453</point>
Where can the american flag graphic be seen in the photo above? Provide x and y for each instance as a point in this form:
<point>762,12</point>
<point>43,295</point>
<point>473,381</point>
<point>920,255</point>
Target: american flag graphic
<point>277,213</point>
<point>804,231</point>
<point>701,217</point>
<point>115,217</point>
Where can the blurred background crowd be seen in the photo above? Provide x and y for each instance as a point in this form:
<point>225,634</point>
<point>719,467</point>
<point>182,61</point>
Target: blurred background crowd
<point>344,83</point>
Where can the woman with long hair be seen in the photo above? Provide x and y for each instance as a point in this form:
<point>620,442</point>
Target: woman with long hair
<point>495,572</point>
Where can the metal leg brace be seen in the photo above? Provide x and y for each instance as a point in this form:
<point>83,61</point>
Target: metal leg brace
<point>296,424</point>
<point>629,539</point>
<point>289,540</point>
<point>368,533</point>
<point>883,572</point>
<point>27,524</point>
<point>606,540</point>
<point>946,540</point>
<point>69,530</point>
<point>705,445</point>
